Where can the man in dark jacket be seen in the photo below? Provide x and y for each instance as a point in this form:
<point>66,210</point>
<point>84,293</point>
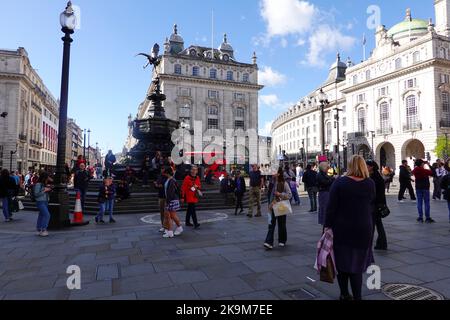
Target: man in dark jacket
<point>110,160</point>
<point>8,188</point>
<point>81,182</point>
<point>380,203</point>
<point>239,188</point>
<point>310,181</point>
<point>405,182</point>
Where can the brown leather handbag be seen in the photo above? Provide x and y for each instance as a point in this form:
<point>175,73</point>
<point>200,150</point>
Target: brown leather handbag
<point>327,273</point>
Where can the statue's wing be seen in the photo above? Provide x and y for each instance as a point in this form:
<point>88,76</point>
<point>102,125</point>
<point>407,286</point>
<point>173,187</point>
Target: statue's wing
<point>145,55</point>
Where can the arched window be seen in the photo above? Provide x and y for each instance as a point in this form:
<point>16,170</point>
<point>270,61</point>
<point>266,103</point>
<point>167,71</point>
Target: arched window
<point>230,75</point>
<point>398,63</point>
<point>177,69</point>
<point>416,57</point>
<point>195,71</point>
<point>362,120</point>
<point>412,120</point>
<point>385,121</point>
<point>213,73</point>
<point>329,131</point>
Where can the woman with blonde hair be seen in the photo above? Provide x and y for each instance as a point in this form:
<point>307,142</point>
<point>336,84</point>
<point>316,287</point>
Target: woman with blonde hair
<point>350,216</point>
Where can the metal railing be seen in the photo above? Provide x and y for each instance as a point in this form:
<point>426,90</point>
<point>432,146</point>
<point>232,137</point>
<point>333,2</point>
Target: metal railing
<point>385,131</point>
<point>412,126</point>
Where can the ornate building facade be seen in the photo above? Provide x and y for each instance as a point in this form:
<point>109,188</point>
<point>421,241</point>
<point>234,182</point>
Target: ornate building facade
<point>392,106</point>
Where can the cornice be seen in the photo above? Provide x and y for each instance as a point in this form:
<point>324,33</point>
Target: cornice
<point>216,82</point>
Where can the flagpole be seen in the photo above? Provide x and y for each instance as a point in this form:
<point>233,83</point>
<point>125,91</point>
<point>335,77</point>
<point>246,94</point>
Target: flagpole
<point>212,34</point>
<point>364,47</point>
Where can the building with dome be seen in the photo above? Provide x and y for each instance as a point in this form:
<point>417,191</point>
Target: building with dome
<point>392,106</point>
<point>206,86</point>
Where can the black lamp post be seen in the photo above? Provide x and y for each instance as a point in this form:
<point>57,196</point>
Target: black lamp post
<point>338,142</point>
<point>84,144</point>
<point>89,148</point>
<point>323,99</point>
<point>372,133</point>
<point>59,198</point>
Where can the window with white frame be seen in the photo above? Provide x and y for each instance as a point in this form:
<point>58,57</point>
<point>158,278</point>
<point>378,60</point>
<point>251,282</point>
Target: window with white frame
<point>412,119</point>
<point>213,111</point>
<point>416,57</point>
<point>213,117</point>
<point>398,63</point>
<point>446,103</point>
<point>240,97</point>
<point>240,113</point>
<point>185,92</point>
<point>410,83</point>
<point>362,120</point>
<point>177,69</point>
<point>361,97</point>
<point>344,121</point>
<point>245,77</point>
<point>329,132</point>
<point>368,75</point>
<point>382,92</point>
<point>445,78</point>
<point>213,94</point>
<point>195,71</point>
<point>385,121</point>
<point>213,123</point>
<point>185,114</point>
<point>230,76</point>
<point>213,73</point>
<point>355,79</point>
<point>442,53</point>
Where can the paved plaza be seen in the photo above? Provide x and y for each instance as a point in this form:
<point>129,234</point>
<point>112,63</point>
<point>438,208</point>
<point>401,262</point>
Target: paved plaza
<point>224,259</point>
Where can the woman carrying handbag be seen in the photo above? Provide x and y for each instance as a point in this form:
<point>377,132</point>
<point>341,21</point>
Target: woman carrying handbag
<point>279,196</point>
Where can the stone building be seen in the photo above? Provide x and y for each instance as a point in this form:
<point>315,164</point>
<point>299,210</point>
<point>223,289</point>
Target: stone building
<point>393,106</point>
<point>74,142</point>
<point>207,90</point>
<point>28,102</point>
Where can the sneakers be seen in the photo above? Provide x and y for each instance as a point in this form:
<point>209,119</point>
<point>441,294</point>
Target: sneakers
<point>162,230</point>
<point>268,246</point>
<point>44,233</point>
<point>178,231</point>
<point>197,226</point>
<point>111,220</point>
<point>282,245</point>
<point>420,220</point>
<point>8,220</point>
<point>188,224</point>
<point>168,234</point>
<point>429,220</point>
<point>401,201</point>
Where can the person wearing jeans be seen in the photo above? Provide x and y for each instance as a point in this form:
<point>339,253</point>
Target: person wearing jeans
<point>256,184</point>
<point>310,181</point>
<point>41,191</point>
<point>7,187</point>
<point>279,190</point>
<point>422,172</point>
<point>106,197</point>
<point>189,194</point>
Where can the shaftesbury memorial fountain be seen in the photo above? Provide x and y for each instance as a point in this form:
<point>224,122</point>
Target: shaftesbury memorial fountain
<point>155,132</point>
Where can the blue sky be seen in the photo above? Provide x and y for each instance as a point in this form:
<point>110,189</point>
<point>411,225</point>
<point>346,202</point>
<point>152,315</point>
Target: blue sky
<point>296,42</point>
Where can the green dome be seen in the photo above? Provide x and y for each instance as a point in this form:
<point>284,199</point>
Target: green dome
<point>413,26</point>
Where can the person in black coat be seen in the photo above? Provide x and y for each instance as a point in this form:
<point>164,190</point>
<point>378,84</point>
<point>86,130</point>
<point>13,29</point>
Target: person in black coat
<point>380,203</point>
<point>8,188</point>
<point>405,182</point>
<point>445,186</point>
<point>310,181</point>
<point>239,189</point>
<point>324,182</point>
<point>81,182</point>
<point>350,216</point>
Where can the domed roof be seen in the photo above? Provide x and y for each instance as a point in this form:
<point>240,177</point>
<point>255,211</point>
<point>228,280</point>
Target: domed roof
<point>337,71</point>
<point>175,37</point>
<point>408,27</point>
<point>225,46</point>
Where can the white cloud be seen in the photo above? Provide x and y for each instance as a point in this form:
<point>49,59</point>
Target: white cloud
<point>270,78</point>
<point>284,43</point>
<point>325,40</point>
<point>269,100</point>
<point>265,129</point>
<point>301,42</point>
<point>285,17</point>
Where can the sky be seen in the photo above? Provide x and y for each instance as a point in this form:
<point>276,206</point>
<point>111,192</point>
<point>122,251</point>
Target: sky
<point>296,41</point>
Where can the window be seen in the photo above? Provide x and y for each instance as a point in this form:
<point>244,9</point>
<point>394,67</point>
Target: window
<point>411,83</point>
<point>185,92</point>
<point>442,53</point>
<point>445,78</point>
<point>398,63</point>
<point>344,121</point>
<point>314,128</point>
<point>383,91</point>
<point>445,102</point>
<point>195,71</point>
<point>213,110</point>
<point>412,121</point>
<point>239,124</point>
<point>362,120</point>
<point>416,57</point>
<point>240,113</point>
<point>213,74</point>
<point>361,97</point>
<point>177,69</point>
<point>213,123</point>
<point>315,141</point>
<point>245,77</point>
<point>230,75</point>
<point>384,118</point>
<point>368,75</point>
<point>185,114</point>
<point>314,117</point>
<point>355,79</point>
<point>239,97</point>
<point>212,94</point>
<point>329,133</point>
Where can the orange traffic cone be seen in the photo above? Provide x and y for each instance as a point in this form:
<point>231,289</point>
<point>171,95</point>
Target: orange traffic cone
<point>78,213</point>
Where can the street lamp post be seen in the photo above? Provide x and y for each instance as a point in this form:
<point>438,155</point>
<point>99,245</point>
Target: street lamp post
<point>338,142</point>
<point>89,147</point>
<point>84,144</point>
<point>323,99</point>
<point>372,133</point>
<point>59,198</point>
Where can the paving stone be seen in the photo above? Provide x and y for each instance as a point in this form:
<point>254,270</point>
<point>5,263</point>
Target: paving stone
<point>187,276</point>
<point>442,287</point>
<point>50,294</point>
<point>222,249</point>
<point>217,288</point>
<point>137,270</point>
<point>268,264</point>
<point>173,265</point>
<point>202,261</point>
<point>226,270</point>
<point>29,284</point>
<point>122,297</point>
<point>391,276</point>
<point>300,260</point>
<point>410,257</point>
<point>257,296</point>
<point>435,253</point>
<point>98,289</point>
<point>108,272</point>
<point>427,272</point>
<point>141,283</point>
<point>243,256</point>
<point>264,280</point>
<point>117,253</point>
<point>182,292</point>
<point>176,254</point>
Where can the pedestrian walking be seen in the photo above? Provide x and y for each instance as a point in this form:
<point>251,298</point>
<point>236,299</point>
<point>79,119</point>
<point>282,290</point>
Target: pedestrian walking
<point>105,198</point>
<point>159,185</point>
<point>190,193</point>
<point>445,186</point>
<point>279,191</point>
<point>310,181</point>
<point>438,174</point>
<point>299,173</point>
<point>324,182</point>
<point>81,183</point>
<point>294,189</point>
<point>225,187</point>
<point>172,194</point>
<point>99,170</point>
<point>7,189</point>
<point>110,160</point>
<point>41,192</point>
<point>256,184</point>
<point>380,203</point>
<point>350,216</point>
<point>388,177</point>
<point>239,187</point>
<point>405,180</point>
<point>422,173</point>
